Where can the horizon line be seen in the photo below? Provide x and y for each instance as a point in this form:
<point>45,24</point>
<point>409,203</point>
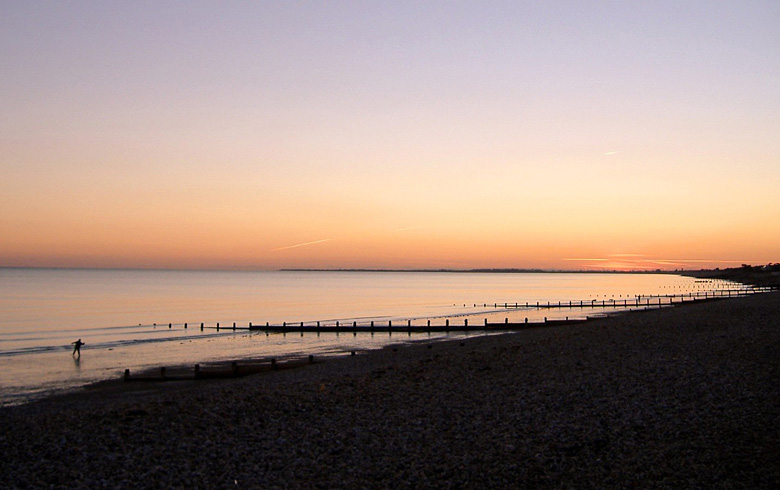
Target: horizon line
<point>365,269</point>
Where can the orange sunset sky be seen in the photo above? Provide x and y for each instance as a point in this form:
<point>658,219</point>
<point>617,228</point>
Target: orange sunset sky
<point>265,135</point>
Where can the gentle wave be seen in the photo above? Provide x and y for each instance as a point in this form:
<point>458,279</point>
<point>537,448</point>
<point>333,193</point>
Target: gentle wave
<point>106,345</point>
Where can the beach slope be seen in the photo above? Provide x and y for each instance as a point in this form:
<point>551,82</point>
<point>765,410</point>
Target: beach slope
<point>680,397</point>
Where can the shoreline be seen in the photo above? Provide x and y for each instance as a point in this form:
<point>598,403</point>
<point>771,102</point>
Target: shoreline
<point>214,369</point>
<point>665,397</point>
<point>222,368</point>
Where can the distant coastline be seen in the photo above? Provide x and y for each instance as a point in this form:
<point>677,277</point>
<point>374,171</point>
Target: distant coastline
<point>492,271</point>
<point>756,275</point>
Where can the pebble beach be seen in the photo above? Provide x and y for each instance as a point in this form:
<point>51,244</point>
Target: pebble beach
<point>683,397</point>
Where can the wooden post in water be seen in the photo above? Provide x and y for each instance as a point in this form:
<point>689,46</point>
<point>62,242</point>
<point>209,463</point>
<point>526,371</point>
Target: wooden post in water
<point>169,325</point>
<point>201,326</point>
<point>185,325</point>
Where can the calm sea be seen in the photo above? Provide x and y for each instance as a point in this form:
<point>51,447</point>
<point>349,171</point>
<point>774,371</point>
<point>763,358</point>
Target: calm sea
<point>123,315</point>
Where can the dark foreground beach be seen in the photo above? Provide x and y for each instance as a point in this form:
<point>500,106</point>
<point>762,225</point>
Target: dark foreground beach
<point>687,397</point>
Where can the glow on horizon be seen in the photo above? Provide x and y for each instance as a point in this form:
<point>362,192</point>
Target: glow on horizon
<point>421,135</point>
<point>628,262</point>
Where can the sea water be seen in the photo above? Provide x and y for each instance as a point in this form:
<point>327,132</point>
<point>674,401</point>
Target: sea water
<point>123,316</point>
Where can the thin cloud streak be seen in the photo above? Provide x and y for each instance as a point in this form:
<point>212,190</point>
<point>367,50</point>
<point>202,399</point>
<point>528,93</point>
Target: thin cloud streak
<point>302,244</point>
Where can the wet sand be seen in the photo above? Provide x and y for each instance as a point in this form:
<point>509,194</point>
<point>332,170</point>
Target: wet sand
<point>680,397</point>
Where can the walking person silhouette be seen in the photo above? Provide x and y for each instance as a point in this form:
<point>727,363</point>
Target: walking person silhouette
<point>77,347</point>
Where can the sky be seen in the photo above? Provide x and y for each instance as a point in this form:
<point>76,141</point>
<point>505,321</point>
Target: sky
<point>264,135</point>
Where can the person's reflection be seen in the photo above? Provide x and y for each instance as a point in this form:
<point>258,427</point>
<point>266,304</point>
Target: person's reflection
<point>77,363</point>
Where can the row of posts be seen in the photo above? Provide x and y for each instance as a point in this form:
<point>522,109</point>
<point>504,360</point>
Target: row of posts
<point>612,303</point>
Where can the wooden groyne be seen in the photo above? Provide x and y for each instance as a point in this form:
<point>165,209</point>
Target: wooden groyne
<point>235,369</point>
<point>620,303</point>
<point>249,367</point>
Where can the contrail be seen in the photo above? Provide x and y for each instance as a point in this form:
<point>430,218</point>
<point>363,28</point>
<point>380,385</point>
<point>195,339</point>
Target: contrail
<point>611,152</point>
<point>586,260</point>
<point>302,244</point>
<point>408,228</point>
